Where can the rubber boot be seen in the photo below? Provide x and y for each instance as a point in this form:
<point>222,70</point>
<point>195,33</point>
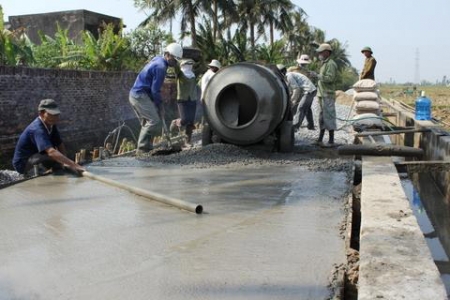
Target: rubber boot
<point>320,139</point>
<point>145,142</point>
<point>331,137</point>
<point>189,130</point>
<point>321,134</point>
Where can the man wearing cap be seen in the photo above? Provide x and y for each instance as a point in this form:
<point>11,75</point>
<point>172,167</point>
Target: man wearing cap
<point>40,144</point>
<point>145,95</point>
<point>326,92</point>
<point>187,96</point>
<point>370,63</point>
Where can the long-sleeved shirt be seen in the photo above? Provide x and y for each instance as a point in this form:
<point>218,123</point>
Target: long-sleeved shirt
<point>205,79</point>
<point>327,78</point>
<point>186,87</point>
<point>368,71</point>
<point>299,81</point>
<point>151,79</point>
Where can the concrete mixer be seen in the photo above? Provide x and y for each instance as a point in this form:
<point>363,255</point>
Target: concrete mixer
<point>248,103</point>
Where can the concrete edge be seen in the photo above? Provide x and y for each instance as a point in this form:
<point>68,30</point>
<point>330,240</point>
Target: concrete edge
<point>395,261</point>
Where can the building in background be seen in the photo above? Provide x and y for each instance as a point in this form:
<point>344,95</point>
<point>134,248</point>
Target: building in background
<point>74,21</point>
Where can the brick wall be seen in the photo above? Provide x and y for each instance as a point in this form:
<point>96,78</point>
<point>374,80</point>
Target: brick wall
<point>92,104</point>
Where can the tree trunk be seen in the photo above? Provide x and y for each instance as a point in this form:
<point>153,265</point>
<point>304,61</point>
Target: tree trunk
<point>271,33</point>
<point>215,20</point>
<point>252,40</point>
<point>192,21</point>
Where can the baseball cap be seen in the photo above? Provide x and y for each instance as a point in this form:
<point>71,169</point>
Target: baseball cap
<point>50,106</point>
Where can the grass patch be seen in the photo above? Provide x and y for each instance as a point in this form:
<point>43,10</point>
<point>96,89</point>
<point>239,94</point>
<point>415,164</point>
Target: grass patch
<point>439,95</point>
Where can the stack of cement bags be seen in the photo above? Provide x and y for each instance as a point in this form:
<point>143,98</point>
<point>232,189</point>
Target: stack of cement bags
<point>367,105</point>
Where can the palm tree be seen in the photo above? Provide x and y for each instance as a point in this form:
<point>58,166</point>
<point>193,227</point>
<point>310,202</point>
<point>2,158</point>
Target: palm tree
<point>164,10</point>
<point>273,53</point>
<point>339,54</point>
<point>300,38</point>
<point>220,9</point>
<point>276,15</point>
<point>250,17</point>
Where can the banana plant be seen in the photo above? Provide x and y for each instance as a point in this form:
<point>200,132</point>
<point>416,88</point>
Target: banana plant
<point>15,46</point>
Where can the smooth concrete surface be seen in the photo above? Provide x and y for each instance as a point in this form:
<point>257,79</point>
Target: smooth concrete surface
<point>395,261</point>
<point>267,233</point>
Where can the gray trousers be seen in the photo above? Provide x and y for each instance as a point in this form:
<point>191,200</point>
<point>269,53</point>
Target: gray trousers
<point>148,116</point>
<point>327,117</point>
<point>304,110</point>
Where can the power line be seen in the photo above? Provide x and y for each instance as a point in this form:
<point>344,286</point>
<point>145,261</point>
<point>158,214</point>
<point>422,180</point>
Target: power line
<point>417,67</point>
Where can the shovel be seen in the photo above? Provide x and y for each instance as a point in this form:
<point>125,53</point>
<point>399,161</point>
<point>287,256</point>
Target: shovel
<point>171,148</point>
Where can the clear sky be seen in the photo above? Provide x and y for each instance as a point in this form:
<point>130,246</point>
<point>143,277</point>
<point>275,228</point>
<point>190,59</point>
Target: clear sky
<point>402,33</point>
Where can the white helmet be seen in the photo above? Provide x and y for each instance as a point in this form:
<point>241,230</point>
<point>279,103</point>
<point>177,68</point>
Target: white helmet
<point>174,49</point>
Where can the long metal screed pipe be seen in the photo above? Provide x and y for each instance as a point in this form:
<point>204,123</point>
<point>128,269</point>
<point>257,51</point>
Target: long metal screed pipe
<point>192,207</point>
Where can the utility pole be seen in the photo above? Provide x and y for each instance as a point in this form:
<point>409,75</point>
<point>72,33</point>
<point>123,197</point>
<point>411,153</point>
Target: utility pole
<point>417,68</point>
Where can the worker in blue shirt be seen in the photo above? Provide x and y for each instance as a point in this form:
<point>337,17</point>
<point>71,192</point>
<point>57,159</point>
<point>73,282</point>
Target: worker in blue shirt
<point>145,95</point>
<point>41,145</point>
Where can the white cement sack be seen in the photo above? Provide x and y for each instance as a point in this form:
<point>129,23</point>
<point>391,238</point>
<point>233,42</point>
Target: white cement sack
<point>365,85</point>
<point>360,111</point>
<point>364,104</point>
<point>367,120</point>
<point>366,96</point>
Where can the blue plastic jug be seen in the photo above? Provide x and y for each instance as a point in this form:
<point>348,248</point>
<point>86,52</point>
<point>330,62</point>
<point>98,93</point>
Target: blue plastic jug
<point>423,107</point>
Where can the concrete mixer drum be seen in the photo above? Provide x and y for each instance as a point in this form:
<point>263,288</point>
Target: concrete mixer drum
<point>245,103</point>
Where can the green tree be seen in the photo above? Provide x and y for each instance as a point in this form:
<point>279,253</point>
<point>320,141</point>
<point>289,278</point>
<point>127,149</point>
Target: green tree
<point>272,54</point>
<point>164,10</point>
<point>147,42</point>
<point>275,15</point>
<point>58,52</point>
<point>250,18</point>
<point>223,13</point>
<point>15,46</point>
<point>339,54</point>
<point>110,52</point>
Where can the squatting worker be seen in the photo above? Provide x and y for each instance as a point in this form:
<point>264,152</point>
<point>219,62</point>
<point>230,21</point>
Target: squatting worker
<point>40,144</point>
<point>298,85</point>
<point>370,63</point>
<point>326,92</point>
<point>145,95</point>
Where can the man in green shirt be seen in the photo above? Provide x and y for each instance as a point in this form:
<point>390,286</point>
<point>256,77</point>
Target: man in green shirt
<point>368,71</point>
<point>326,93</point>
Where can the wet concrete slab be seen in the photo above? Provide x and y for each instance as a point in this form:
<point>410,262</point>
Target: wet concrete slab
<point>267,233</point>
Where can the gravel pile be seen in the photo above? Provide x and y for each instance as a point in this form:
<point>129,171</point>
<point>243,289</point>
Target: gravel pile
<point>342,135</point>
<point>8,176</point>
